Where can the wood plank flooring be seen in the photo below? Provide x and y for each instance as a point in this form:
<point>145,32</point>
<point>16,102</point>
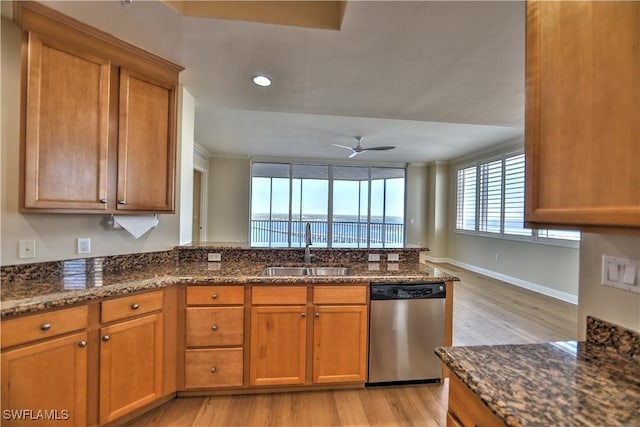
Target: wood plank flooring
<point>486,311</point>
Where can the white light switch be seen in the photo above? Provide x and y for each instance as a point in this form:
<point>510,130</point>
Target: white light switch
<point>612,272</point>
<point>629,277</point>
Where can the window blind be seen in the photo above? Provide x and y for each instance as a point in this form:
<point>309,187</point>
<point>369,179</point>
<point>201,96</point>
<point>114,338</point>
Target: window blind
<point>466,199</point>
<point>490,206</point>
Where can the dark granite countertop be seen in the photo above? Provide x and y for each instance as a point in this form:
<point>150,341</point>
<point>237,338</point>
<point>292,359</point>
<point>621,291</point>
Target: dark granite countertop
<point>553,384</point>
<point>82,284</point>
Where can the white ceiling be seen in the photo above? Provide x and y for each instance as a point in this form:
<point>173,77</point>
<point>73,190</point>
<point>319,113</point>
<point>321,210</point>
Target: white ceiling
<point>435,79</point>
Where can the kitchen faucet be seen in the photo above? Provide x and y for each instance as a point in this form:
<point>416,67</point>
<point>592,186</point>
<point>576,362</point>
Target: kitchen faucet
<point>307,238</point>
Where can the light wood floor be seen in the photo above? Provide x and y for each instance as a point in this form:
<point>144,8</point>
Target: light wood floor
<point>486,311</point>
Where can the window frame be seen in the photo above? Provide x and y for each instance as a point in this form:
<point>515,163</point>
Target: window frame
<point>330,214</point>
<point>534,238</point>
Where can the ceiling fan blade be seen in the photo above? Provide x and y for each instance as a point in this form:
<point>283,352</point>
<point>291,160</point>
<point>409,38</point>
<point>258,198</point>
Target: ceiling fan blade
<point>355,153</point>
<point>344,146</point>
<point>384,147</point>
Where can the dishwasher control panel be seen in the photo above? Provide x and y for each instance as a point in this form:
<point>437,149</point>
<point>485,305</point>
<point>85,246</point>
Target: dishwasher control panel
<point>381,291</point>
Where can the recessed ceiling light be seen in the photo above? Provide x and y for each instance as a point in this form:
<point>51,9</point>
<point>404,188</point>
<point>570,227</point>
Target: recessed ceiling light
<point>262,80</point>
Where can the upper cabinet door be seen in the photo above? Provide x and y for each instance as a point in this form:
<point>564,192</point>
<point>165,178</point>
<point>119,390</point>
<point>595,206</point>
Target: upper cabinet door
<point>66,128</point>
<point>583,114</point>
<point>146,143</point>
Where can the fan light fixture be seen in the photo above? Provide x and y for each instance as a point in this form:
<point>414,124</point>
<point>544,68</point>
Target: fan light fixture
<point>262,80</point>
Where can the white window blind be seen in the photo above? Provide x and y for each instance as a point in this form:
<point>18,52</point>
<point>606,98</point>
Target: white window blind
<point>466,198</point>
<point>514,196</point>
<point>490,212</point>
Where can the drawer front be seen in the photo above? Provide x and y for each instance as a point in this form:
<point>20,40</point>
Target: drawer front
<point>45,325</point>
<point>130,306</point>
<point>340,295</point>
<point>215,295</point>
<point>210,326</point>
<point>221,367</point>
<point>279,295</point>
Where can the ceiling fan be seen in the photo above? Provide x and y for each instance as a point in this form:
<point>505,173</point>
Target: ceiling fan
<point>359,149</point>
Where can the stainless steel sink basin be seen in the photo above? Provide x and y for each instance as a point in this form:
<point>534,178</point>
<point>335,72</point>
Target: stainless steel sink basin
<point>329,271</point>
<point>307,271</point>
<point>284,271</point>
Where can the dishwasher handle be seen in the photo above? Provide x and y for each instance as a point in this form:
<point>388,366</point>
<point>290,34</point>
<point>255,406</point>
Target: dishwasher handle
<point>402,291</point>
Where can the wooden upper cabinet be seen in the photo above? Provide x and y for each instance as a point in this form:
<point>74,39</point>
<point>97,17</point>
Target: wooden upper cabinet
<point>99,120</point>
<point>583,114</point>
<point>67,127</point>
<point>146,143</point>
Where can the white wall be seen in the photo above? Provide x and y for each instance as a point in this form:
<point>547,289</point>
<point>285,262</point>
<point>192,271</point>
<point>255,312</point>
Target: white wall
<point>228,203</point>
<point>611,304</point>
<point>185,160</point>
<point>438,212</point>
<point>551,270</point>
<point>54,234</point>
<point>417,191</point>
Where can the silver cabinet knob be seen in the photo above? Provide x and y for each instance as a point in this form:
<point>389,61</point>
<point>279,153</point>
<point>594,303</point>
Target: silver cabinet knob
<point>214,327</point>
<point>45,326</point>
<point>103,201</point>
<point>303,314</point>
<point>82,344</point>
<point>134,306</point>
<point>317,314</point>
<point>122,202</point>
<point>214,296</point>
<point>213,370</point>
<point>106,338</point>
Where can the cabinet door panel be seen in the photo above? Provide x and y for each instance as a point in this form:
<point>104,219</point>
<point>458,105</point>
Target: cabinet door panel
<point>130,366</point>
<point>50,376</point>
<point>66,129</point>
<point>343,328</point>
<point>582,113</point>
<point>146,144</point>
<point>278,343</point>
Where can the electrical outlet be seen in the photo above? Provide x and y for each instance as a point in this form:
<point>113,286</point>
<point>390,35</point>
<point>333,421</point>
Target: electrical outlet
<point>214,257</point>
<point>83,245</point>
<point>26,248</point>
<point>393,257</point>
<point>374,257</point>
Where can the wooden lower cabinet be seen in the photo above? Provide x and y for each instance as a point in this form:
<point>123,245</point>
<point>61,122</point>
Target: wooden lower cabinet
<point>278,345</point>
<point>46,383</point>
<point>465,408</point>
<point>217,367</point>
<point>340,343</point>
<point>131,357</point>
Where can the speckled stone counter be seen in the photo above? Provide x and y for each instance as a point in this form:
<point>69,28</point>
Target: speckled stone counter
<point>80,282</point>
<point>555,384</point>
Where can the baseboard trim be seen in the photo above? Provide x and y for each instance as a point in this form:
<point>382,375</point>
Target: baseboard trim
<point>553,293</point>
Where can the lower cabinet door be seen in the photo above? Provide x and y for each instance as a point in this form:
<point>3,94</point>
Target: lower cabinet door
<point>130,366</point>
<point>278,345</point>
<point>340,344</point>
<point>220,367</point>
<point>46,383</point>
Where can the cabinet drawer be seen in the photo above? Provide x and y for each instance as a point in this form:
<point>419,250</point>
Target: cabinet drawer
<point>45,325</point>
<point>221,367</point>
<point>215,295</point>
<point>279,295</point>
<point>209,326</point>
<point>133,305</point>
<point>340,295</point>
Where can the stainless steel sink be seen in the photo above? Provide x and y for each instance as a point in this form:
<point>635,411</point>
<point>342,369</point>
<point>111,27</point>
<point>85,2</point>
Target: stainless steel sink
<point>307,271</point>
<point>330,271</point>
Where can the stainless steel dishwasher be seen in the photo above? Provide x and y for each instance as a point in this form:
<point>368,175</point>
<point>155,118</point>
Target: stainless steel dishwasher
<point>406,324</point>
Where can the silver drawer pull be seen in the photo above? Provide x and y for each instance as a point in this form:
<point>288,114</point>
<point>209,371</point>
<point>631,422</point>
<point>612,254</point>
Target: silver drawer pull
<point>45,326</point>
<point>82,344</point>
<point>106,338</point>
<point>303,314</point>
<point>134,306</point>
<point>122,202</point>
<point>103,201</point>
<point>214,296</point>
<point>317,314</point>
<point>213,370</point>
<point>214,327</point>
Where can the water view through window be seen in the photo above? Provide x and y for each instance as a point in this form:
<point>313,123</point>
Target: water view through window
<point>347,206</point>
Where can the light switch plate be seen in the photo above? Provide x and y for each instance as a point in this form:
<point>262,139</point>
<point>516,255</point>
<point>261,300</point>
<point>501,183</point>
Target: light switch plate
<point>393,257</point>
<point>621,273</point>
<point>374,257</point>
<point>214,257</point>
<point>26,248</point>
<point>83,245</point>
